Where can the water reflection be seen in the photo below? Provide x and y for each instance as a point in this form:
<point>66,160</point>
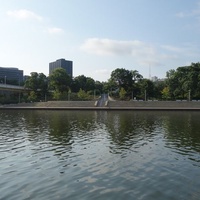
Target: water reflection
<point>105,154</point>
<point>182,134</point>
<point>182,128</point>
<point>122,126</point>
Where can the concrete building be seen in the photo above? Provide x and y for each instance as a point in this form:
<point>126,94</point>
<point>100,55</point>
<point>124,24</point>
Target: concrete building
<point>65,64</point>
<point>10,74</point>
<point>154,78</point>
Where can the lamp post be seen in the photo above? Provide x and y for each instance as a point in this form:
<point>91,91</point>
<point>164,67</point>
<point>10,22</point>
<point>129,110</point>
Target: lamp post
<point>69,92</point>
<point>19,91</point>
<point>46,89</point>
<point>145,95</point>
<point>5,80</point>
<point>189,95</point>
<point>19,97</point>
<point>94,94</point>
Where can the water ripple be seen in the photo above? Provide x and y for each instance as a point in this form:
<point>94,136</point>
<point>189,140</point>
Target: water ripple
<point>103,155</point>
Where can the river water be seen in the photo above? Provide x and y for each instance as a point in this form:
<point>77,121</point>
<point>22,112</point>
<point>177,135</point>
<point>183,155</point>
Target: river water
<point>83,155</point>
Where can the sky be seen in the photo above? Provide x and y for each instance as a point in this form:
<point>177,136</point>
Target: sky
<point>99,36</point>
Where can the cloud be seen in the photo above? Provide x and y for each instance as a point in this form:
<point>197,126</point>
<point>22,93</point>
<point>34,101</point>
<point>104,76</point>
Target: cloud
<point>24,14</point>
<point>191,13</point>
<point>114,47</point>
<point>194,13</point>
<point>172,48</point>
<point>101,74</point>
<point>103,71</point>
<point>181,14</point>
<point>55,30</point>
<point>186,50</point>
<point>141,53</point>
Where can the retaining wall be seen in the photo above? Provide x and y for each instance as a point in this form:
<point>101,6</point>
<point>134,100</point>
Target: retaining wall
<point>109,105</point>
<point>165,104</point>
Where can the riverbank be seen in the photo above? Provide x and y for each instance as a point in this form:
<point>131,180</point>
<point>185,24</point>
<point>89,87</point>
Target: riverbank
<point>109,105</point>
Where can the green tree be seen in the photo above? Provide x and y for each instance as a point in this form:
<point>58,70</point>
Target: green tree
<point>127,79</point>
<point>159,85</point>
<point>32,82</point>
<point>123,78</point>
<point>79,82</point>
<point>90,84</point>
<point>110,87</point>
<point>172,83</point>
<point>57,95</point>
<point>122,93</point>
<point>59,82</point>
<point>165,93</point>
<point>82,95</point>
<point>38,83</point>
<point>98,87</point>
<point>184,79</point>
<point>136,76</point>
<point>32,96</point>
<point>83,82</point>
<point>146,87</point>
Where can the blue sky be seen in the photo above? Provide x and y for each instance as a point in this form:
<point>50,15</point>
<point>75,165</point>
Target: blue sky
<point>151,36</point>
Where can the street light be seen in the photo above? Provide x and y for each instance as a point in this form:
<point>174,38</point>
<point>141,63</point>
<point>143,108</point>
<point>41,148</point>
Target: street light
<point>19,79</point>
<point>19,97</point>
<point>5,80</point>
<point>94,94</point>
<point>46,89</point>
<point>19,91</point>
<point>69,92</point>
<point>189,95</point>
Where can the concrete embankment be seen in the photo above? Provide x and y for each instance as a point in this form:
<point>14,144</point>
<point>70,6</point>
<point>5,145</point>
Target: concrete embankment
<point>52,105</point>
<point>109,105</point>
<point>156,105</point>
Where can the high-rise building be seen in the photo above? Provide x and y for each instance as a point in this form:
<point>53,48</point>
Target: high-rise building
<point>65,64</point>
<point>11,74</point>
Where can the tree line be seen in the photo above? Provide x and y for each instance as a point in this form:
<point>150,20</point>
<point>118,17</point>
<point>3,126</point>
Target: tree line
<point>123,84</point>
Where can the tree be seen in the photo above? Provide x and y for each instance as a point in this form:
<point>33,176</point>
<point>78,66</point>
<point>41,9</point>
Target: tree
<point>59,81</point>
<point>165,93</point>
<point>98,87</point>
<point>37,83</point>
<point>136,76</point>
<point>146,86</point>
<point>83,95</point>
<point>172,83</point>
<point>57,95</point>
<point>32,82</point>
<point>127,79</point>
<point>90,84</point>
<point>110,86</point>
<point>32,96</point>
<point>158,88</point>
<point>123,78</point>
<point>184,79</point>
<point>79,82</point>
<point>122,93</point>
<point>83,82</point>
<point>194,80</point>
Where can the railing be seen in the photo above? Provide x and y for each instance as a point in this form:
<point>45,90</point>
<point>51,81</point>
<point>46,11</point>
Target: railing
<point>11,87</point>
